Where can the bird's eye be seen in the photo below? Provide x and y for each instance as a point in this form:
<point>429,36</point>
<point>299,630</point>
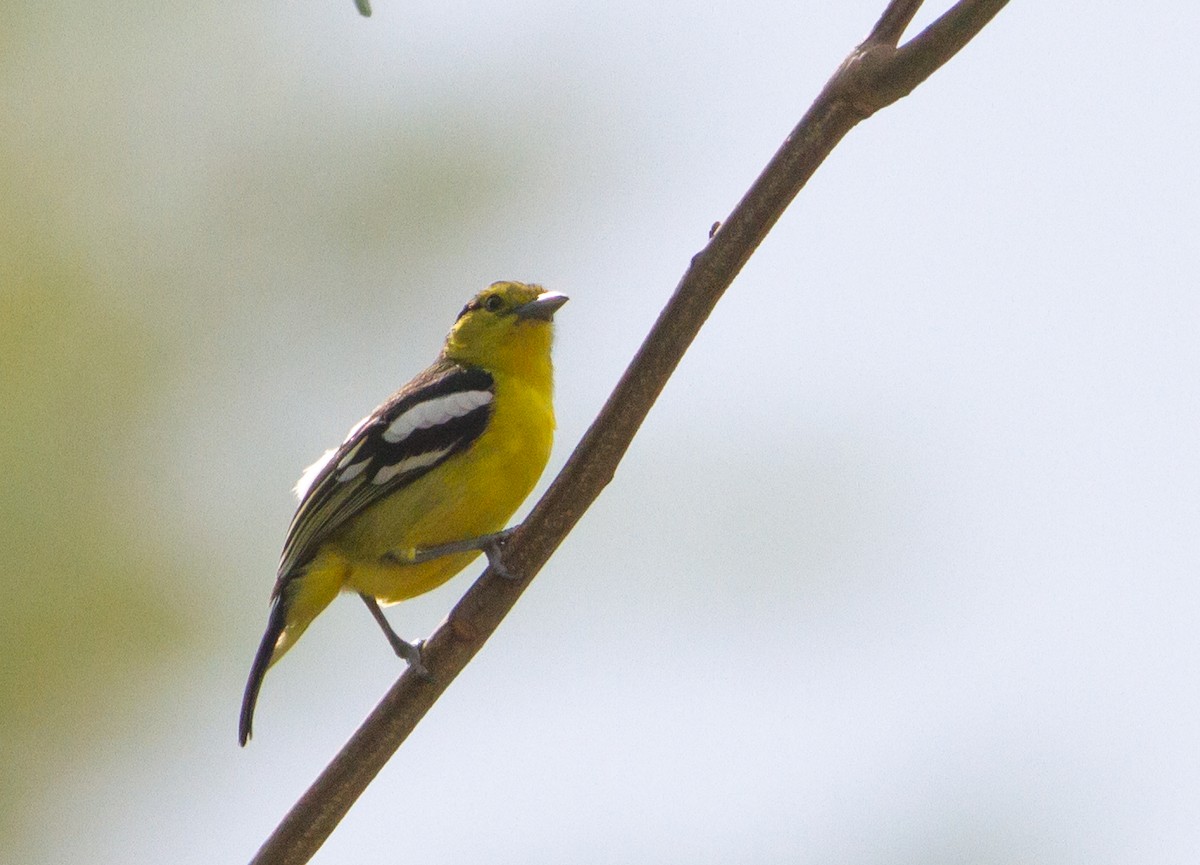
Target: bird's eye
<point>493,303</point>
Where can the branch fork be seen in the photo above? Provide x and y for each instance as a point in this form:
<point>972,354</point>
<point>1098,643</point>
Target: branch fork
<point>873,76</point>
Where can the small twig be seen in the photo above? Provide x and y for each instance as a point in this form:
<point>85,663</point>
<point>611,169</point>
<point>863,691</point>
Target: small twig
<point>874,75</point>
<point>893,22</point>
<point>892,73</point>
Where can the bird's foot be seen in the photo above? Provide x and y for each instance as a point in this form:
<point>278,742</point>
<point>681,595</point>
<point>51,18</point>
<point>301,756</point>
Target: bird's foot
<point>491,546</point>
<point>409,652</point>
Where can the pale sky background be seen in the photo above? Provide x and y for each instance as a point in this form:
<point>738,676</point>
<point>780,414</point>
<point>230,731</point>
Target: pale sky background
<point>903,568</point>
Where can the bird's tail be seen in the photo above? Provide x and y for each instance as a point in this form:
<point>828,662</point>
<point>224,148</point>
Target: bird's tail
<point>298,598</point>
<point>262,660</point>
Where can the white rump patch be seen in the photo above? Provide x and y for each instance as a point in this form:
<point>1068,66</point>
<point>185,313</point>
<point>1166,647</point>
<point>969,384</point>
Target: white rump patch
<point>310,473</point>
<point>420,461</point>
<point>434,412</point>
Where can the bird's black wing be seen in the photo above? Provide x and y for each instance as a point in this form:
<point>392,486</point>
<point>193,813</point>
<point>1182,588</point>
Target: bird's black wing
<point>434,416</point>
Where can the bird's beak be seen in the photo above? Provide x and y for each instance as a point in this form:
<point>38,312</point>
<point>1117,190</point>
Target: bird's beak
<point>542,307</point>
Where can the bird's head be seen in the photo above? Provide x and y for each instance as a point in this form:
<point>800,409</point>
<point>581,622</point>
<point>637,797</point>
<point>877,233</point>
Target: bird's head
<point>507,327</point>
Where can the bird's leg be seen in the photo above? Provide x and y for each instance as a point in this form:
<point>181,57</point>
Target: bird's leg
<point>410,652</point>
<point>493,547</point>
<point>490,545</point>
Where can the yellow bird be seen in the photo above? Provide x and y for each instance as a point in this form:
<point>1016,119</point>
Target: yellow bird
<point>425,482</point>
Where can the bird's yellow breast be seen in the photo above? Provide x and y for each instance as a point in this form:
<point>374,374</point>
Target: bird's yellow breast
<point>473,493</point>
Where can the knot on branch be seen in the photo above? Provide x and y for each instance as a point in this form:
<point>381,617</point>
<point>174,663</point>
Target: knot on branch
<point>861,83</point>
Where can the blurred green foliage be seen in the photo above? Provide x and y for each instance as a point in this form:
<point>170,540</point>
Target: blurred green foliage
<point>81,613</point>
<point>185,222</point>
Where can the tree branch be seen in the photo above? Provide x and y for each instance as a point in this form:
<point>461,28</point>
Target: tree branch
<point>874,75</point>
<point>894,21</point>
